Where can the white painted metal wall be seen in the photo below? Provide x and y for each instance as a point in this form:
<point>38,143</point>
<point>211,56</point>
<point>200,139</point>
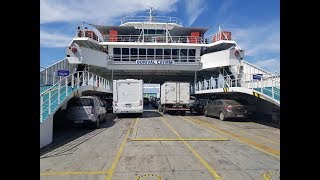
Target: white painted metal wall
<point>94,57</point>
<point>220,59</point>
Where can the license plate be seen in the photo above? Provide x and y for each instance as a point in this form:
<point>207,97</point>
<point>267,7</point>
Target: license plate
<point>239,115</point>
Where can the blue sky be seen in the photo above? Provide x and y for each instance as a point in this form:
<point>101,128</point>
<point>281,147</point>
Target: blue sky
<point>255,25</point>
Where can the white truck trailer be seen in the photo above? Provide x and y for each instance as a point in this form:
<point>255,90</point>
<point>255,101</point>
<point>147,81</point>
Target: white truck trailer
<point>127,96</point>
<point>175,96</point>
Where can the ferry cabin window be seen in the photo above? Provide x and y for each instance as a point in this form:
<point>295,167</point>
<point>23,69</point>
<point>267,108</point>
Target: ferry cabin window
<point>116,54</point>
<point>192,55</point>
<point>142,54</point>
<point>175,55</point>
<point>133,54</point>
<point>160,31</point>
<point>167,54</point>
<point>159,53</point>
<point>150,54</point>
<point>125,54</point>
<point>183,55</point>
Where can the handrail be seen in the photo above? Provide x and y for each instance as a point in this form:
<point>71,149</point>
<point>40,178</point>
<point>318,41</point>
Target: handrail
<point>51,98</point>
<point>246,80</point>
<point>156,19</point>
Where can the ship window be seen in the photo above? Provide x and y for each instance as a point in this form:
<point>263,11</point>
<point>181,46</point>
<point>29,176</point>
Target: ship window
<point>116,54</point>
<point>151,31</point>
<point>159,53</point>
<point>142,53</point>
<point>191,55</point>
<point>175,54</point>
<point>125,54</point>
<point>150,54</point>
<point>134,54</point>
<point>150,51</point>
<point>116,51</point>
<point>167,53</point>
<point>183,55</point>
<point>159,31</point>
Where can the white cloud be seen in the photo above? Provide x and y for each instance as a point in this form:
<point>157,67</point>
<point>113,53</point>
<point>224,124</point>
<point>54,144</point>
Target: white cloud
<point>259,39</point>
<point>97,11</point>
<point>193,9</point>
<point>272,65</point>
<point>48,39</point>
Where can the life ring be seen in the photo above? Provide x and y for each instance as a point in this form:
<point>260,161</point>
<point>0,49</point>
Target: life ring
<point>236,54</point>
<point>74,50</point>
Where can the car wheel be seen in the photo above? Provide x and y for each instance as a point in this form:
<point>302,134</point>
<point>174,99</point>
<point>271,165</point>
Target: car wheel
<point>164,110</point>
<point>221,116</point>
<point>205,113</point>
<point>98,122</point>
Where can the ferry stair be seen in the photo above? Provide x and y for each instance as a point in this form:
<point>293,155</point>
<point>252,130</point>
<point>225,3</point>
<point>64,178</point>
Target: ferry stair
<point>55,91</point>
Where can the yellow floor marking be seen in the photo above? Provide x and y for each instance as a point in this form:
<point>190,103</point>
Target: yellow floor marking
<point>249,142</point>
<point>211,170</point>
<point>260,137</point>
<point>72,173</point>
<point>116,159</point>
<point>179,139</point>
<point>135,128</point>
<point>206,129</point>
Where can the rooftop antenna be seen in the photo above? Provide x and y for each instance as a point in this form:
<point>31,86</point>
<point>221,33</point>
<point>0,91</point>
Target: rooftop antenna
<point>151,12</point>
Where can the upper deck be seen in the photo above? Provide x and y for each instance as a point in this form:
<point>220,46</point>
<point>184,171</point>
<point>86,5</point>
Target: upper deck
<point>155,19</point>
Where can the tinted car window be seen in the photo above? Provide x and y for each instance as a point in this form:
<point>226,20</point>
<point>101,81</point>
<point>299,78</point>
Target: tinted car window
<point>81,102</point>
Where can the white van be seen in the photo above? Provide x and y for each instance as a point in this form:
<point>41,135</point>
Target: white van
<point>86,110</point>
<point>127,96</point>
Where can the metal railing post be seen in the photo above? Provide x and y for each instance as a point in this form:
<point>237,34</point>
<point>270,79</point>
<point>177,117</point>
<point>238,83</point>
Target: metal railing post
<point>272,89</point>
<point>41,107</point>
<point>59,92</point>
<point>72,80</point>
<point>49,106</point>
<point>78,79</point>
<point>66,84</point>
<point>46,77</point>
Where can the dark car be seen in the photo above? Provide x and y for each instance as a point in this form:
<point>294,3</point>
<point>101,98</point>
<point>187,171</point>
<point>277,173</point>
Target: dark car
<point>145,100</point>
<point>108,103</point>
<point>224,108</point>
<point>198,106</point>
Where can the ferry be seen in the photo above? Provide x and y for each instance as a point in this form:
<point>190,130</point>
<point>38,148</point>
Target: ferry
<point>155,49</point>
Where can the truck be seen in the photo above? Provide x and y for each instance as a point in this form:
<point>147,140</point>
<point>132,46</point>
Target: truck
<point>174,96</point>
<point>127,96</point>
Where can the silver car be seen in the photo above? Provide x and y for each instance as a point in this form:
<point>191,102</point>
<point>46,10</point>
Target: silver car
<point>86,110</point>
<point>224,108</point>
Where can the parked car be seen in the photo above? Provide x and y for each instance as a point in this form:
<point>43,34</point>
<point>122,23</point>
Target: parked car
<point>86,110</point>
<point>224,108</point>
<point>145,100</point>
<point>198,106</point>
<point>108,104</point>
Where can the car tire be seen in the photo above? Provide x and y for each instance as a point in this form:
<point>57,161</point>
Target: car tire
<point>98,122</point>
<point>205,113</point>
<point>105,118</point>
<point>164,110</point>
<point>221,116</point>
